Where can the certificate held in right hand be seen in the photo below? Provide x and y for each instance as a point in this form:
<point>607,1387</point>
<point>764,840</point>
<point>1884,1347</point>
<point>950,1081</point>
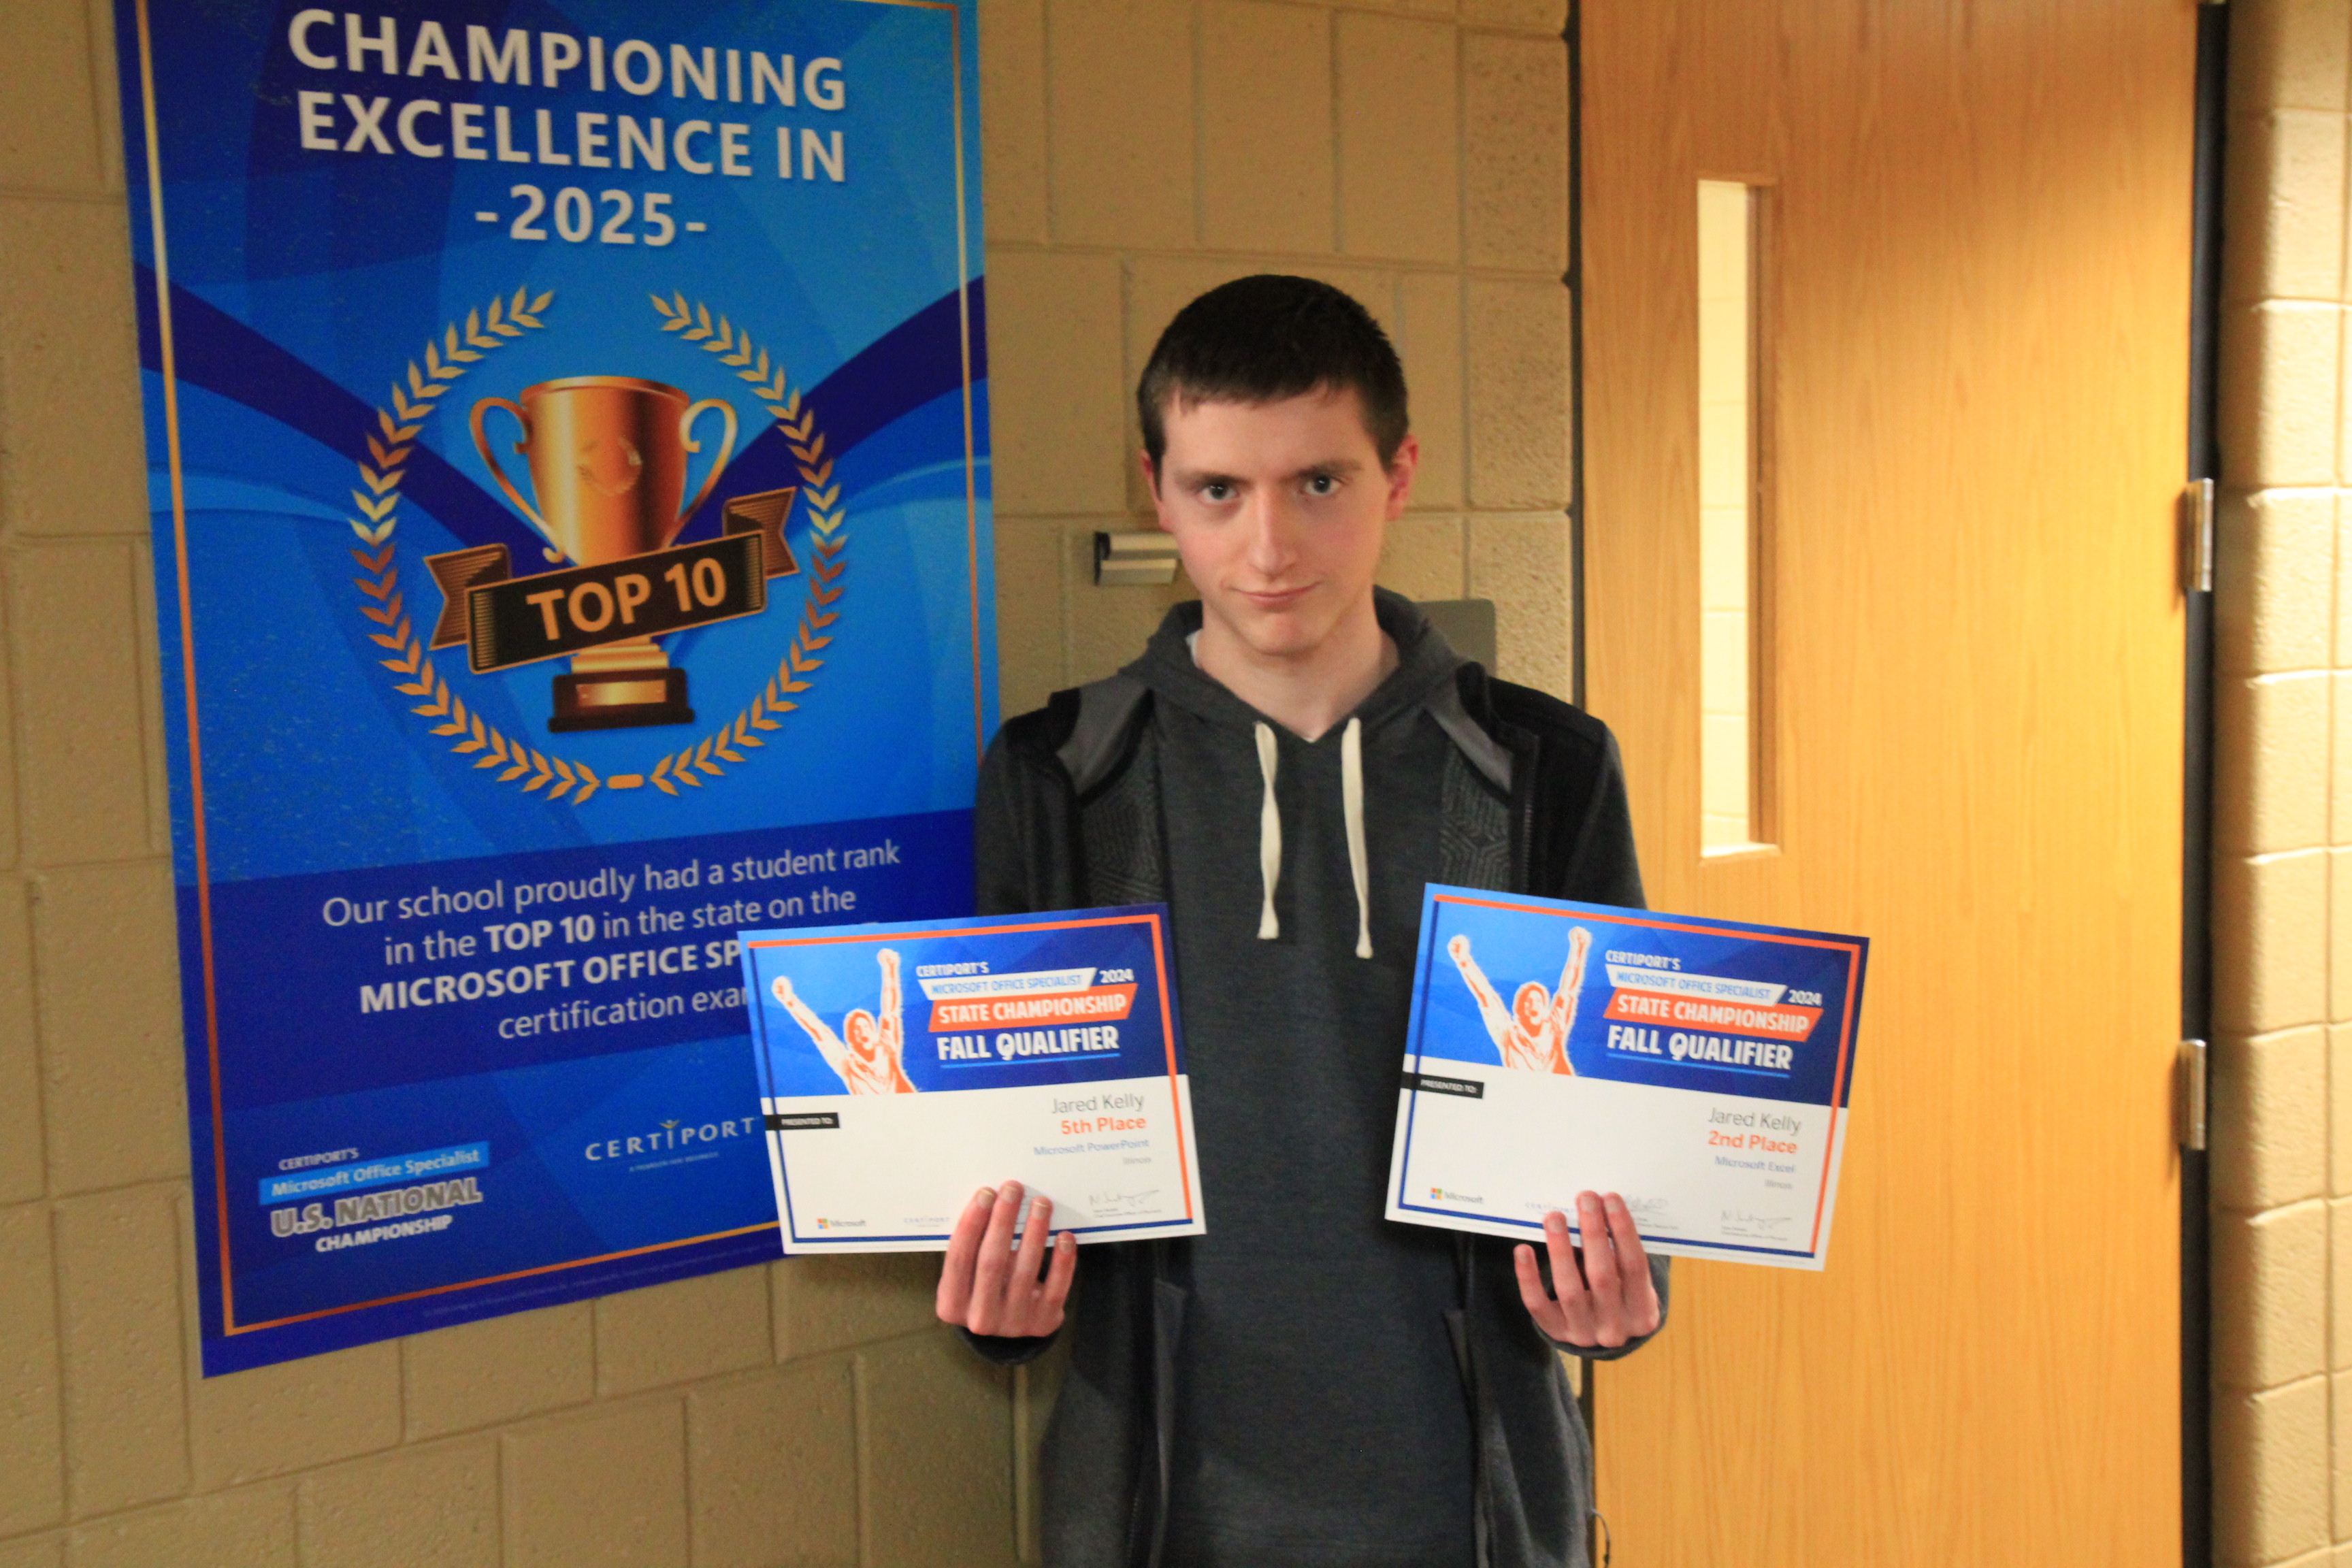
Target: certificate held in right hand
<point>1699,1067</point>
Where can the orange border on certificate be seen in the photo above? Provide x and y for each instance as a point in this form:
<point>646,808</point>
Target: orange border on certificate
<point>1159,959</point>
<point>169,373</point>
<point>1846,1026</point>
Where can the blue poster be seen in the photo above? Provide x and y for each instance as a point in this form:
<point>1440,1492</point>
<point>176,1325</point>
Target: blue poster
<point>569,464</point>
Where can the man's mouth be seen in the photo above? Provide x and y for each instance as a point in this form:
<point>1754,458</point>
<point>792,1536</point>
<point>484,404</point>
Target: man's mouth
<point>1272,599</point>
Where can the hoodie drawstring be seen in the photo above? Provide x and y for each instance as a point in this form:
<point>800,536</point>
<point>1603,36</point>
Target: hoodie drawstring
<point>1269,836</point>
<point>1352,806</point>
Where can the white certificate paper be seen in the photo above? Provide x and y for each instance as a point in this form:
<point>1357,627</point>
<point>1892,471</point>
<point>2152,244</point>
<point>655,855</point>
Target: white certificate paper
<point>1699,1068</point>
<point>902,1068</point>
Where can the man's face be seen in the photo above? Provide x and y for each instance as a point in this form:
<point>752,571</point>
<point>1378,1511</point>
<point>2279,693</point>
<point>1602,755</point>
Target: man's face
<point>1278,511</point>
<point>858,1028</point>
<point>1532,1001</point>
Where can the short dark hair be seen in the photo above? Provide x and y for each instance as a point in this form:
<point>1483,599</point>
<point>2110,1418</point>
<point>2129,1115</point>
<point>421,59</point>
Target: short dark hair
<point>1270,337</point>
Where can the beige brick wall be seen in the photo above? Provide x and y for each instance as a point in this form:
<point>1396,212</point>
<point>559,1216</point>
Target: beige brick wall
<point>1137,151</point>
<point>2282,1263</point>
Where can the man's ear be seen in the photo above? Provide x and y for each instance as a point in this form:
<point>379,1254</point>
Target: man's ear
<point>1402,469</point>
<point>1152,483</point>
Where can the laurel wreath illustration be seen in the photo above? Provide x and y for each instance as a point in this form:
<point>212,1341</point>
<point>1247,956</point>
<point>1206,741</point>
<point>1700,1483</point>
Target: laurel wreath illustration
<point>445,359</point>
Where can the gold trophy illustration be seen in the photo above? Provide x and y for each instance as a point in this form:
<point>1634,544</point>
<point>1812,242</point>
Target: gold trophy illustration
<point>608,464</point>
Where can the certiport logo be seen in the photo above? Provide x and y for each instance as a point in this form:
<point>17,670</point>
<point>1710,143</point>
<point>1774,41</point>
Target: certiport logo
<point>672,1135</point>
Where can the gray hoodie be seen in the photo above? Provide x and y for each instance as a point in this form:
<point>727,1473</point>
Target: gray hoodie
<point>1308,1384</point>
<point>1322,1421</point>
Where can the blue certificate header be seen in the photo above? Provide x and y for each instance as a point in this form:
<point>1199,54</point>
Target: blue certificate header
<point>1598,992</point>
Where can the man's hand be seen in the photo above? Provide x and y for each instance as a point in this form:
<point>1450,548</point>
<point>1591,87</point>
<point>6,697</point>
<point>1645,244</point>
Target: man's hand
<point>1610,1299</point>
<point>1457,948</point>
<point>783,989</point>
<point>988,1288</point>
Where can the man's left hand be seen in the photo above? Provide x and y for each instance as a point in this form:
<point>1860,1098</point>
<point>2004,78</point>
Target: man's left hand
<point>1601,1293</point>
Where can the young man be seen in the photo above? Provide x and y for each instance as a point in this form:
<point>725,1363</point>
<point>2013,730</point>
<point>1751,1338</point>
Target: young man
<point>1292,758</point>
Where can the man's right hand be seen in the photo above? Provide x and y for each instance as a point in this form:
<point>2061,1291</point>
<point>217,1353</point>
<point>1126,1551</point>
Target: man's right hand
<point>988,1287</point>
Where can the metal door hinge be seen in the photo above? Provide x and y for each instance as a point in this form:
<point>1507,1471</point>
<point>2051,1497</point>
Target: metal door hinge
<point>2197,537</point>
<point>2190,1097</point>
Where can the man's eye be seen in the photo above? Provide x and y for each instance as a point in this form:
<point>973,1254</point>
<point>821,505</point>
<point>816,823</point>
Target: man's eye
<point>1322,485</point>
<point>1216,493</point>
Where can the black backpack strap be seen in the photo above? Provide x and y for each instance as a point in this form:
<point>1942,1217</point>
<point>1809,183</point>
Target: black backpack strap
<point>1098,741</point>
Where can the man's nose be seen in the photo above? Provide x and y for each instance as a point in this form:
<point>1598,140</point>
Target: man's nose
<point>1273,543</point>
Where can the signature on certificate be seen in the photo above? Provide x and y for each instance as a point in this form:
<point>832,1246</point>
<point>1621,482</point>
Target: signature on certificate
<point>1746,1222</point>
<point>1110,1206</point>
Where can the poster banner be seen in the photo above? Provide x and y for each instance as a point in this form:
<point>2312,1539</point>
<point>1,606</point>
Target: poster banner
<point>569,466</point>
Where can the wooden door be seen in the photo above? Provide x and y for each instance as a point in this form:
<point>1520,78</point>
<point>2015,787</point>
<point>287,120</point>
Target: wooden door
<point>1973,363</point>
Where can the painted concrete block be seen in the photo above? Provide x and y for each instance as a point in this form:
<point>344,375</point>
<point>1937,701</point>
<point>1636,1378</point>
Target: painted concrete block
<point>252,1528</point>
<point>2270,916</point>
<point>113,1086</point>
<point>774,1463</point>
<point>1057,384</point>
<point>1428,336</point>
<point>2273,582</point>
<point>438,1508</point>
<point>69,363</point>
<point>1267,176</point>
<point>2273,1268</point>
<point>682,1331</point>
<point>81,738</point>
<point>1514,152</point>
<point>22,1167</point>
<point>2271,777</point>
<point>2284,196</point>
<point>825,1304</point>
<point>935,1410</point>
<point>1013,118</point>
<point>1120,95</point>
<point>2270,1482</point>
<point>2280,366</point>
<point>32,1437</point>
<point>600,1490</point>
<point>119,1310</point>
<point>2268,1119</point>
<point>1030,592</point>
<point>2291,54</point>
<point>1519,395</point>
<point>48,107</point>
<point>500,1368</point>
<point>1400,148</point>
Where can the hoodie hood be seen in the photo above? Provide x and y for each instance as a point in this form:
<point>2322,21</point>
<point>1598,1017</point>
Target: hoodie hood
<point>1425,663</point>
<point>1425,667</point>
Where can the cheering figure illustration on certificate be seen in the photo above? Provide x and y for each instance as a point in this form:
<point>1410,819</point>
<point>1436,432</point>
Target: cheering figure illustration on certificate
<point>1532,1032</point>
<point>871,1062</point>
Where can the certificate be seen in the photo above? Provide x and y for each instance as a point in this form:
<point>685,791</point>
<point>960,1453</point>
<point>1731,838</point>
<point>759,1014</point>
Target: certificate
<point>1699,1068</point>
<point>903,1067</point>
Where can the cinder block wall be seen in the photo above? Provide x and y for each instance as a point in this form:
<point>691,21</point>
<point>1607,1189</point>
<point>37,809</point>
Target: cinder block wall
<point>2282,1135</point>
<point>1137,152</point>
